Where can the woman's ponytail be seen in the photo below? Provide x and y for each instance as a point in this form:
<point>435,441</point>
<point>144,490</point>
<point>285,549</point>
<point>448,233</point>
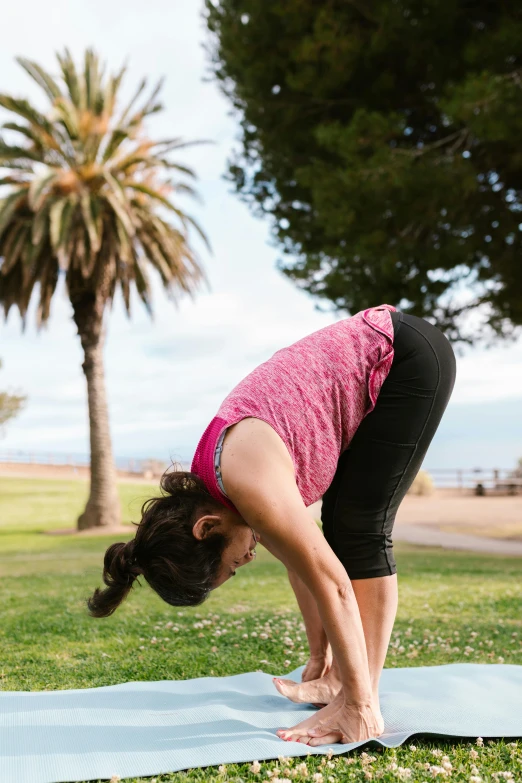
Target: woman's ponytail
<point>119,572</point>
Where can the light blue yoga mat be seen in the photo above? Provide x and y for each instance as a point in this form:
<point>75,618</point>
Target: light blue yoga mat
<point>146,728</point>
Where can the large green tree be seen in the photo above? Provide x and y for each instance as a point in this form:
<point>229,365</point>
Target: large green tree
<point>383,140</point>
<point>88,194</point>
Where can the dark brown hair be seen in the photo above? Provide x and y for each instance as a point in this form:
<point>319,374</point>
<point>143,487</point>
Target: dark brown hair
<point>178,566</point>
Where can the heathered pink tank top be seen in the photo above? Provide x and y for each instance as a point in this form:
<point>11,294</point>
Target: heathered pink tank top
<point>314,393</point>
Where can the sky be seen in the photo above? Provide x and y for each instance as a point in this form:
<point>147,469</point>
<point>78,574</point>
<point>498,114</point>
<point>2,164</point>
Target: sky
<point>166,377</point>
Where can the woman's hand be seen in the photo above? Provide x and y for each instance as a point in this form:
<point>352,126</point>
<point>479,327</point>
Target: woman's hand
<point>317,667</point>
<point>338,722</point>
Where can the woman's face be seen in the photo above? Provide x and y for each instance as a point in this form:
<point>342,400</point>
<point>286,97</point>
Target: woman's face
<point>242,543</point>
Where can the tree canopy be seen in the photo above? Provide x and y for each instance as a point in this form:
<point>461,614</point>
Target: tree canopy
<point>382,139</point>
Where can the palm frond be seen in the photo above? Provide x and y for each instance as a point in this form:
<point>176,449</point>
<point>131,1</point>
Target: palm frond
<point>38,186</point>
<point>40,224</point>
<point>8,207</point>
<point>111,91</point>
<point>91,220</point>
<point>70,77</point>
<point>123,118</point>
<point>12,246</point>
<point>11,152</point>
<point>65,112</point>
<point>41,77</point>
<point>24,109</point>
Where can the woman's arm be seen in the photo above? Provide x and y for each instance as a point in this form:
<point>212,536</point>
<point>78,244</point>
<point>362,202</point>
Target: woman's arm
<point>317,639</point>
<point>263,489</point>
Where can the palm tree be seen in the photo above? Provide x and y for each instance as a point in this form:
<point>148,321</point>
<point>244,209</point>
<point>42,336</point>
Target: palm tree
<point>89,196</point>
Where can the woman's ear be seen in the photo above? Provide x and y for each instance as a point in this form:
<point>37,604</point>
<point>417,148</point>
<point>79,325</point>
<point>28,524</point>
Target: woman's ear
<point>205,525</point>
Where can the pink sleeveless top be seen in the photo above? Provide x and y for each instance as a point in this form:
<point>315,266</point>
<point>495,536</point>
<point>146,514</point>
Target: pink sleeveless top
<point>314,394</point>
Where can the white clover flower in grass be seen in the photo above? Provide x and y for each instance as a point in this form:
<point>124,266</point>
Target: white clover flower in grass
<point>475,779</point>
<point>302,769</point>
<point>473,754</point>
<point>255,767</point>
<point>404,773</point>
<point>222,769</point>
<point>413,747</point>
<point>329,753</point>
<point>318,778</point>
<point>479,742</point>
<point>115,779</point>
<point>286,663</point>
<point>500,659</point>
<point>435,770</point>
<point>474,769</point>
<point>437,752</point>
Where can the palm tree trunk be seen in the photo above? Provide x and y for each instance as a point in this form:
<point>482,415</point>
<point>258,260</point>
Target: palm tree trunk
<point>103,506</point>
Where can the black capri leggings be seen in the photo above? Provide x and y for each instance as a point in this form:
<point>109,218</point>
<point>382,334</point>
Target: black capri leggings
<point>388,448</point>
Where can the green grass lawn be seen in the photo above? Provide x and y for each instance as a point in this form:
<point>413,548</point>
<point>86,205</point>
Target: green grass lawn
<point>454,606</point>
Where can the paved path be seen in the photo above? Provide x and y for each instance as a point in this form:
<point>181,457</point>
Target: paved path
<point>429,536</point>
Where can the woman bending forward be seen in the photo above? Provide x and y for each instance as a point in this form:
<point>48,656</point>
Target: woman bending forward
<point>347,414</point>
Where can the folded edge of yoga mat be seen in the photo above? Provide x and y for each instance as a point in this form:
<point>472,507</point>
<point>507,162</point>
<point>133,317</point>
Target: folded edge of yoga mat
<point>149,728</point>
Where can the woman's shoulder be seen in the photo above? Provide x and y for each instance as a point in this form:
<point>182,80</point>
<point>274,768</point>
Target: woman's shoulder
<point>248,446</point>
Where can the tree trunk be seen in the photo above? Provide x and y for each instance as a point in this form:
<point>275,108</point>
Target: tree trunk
<point>103,506</point>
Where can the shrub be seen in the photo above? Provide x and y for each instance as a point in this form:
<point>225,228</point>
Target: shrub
<point>422,484</point>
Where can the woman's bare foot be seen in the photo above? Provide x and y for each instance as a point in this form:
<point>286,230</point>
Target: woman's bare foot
<point>300,729</point>
<point>321,691</point>
<point>299,733</point>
